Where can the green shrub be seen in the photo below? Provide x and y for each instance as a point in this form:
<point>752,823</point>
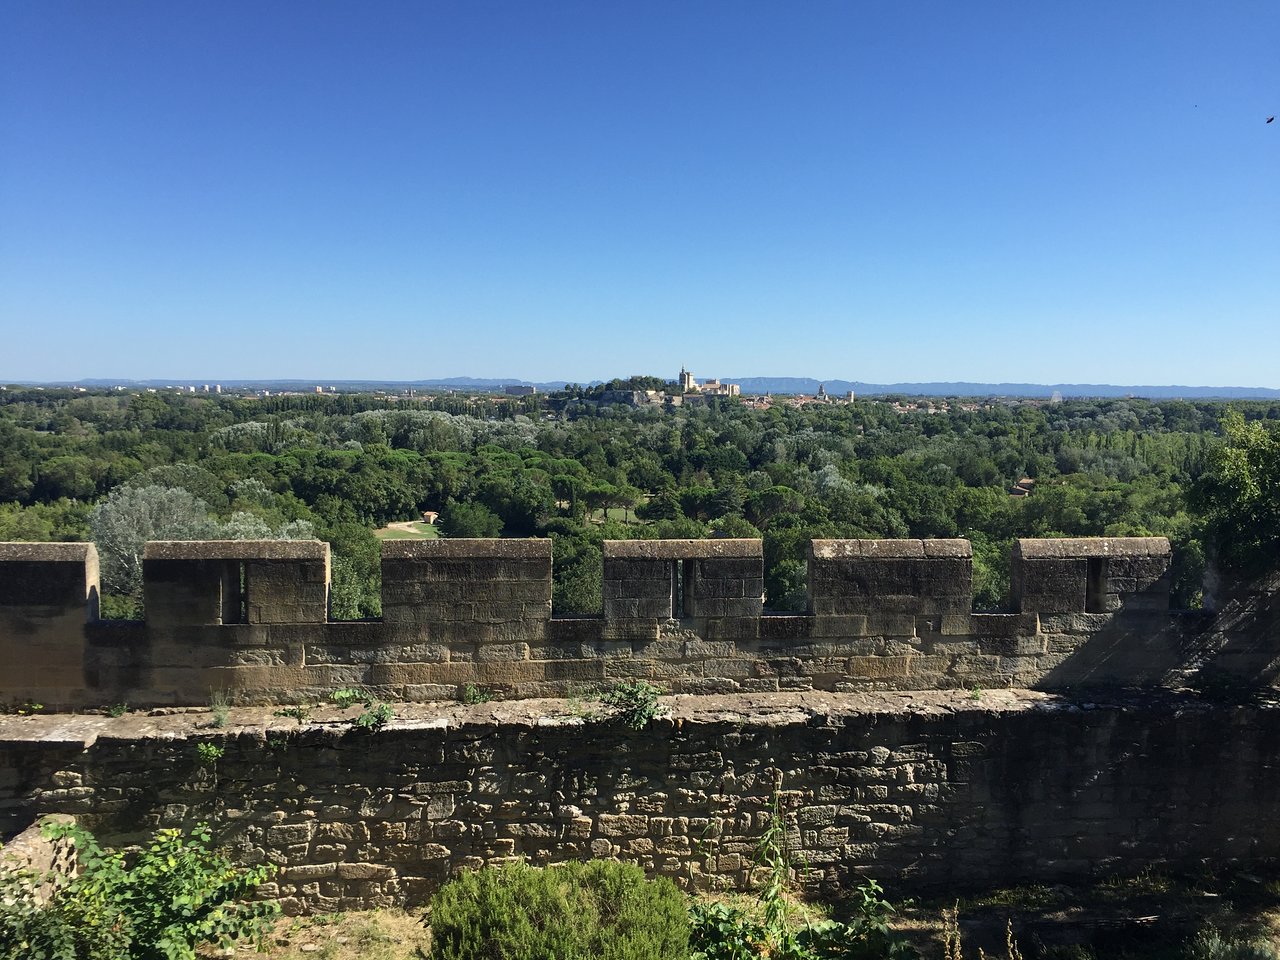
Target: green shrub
<point>718,931</point>
<point>599,910</point>
<point>160,904</point>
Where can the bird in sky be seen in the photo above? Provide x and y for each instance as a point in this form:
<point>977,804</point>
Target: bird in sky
<point>1271,119</point>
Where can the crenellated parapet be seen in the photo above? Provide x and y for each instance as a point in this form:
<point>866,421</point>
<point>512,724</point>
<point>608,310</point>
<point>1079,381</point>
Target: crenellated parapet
<point>216,582</point>
<point>468,591</point>
<point>251,619</point>
<point>647,583</point>
<point>1091,575</point>
<point>48,593</point>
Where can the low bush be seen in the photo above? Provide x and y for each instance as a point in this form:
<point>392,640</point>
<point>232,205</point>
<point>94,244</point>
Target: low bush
<point>600,910</point>
<point>161,903</point>
<point>1210,944</point>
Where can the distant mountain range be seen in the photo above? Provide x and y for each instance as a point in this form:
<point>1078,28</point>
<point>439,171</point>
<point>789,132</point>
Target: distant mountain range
<point>749,385</point>
<point>784,385</point>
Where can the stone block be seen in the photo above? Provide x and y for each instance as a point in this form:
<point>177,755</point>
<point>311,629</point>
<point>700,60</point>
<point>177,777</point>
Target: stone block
<point>785,627</point>
<point>646,630</point>
<point>625,569</point>
<point>837,626</point>
<point>880,668</point>
<point>732,628</point>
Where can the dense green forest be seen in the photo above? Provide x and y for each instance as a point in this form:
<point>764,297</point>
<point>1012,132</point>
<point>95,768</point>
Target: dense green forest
<point>120,468</point>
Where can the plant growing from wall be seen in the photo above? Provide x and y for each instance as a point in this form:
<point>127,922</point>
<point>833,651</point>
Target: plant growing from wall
<point>373,717</point>
<point>299,713</point>
<point>344,697</point>
<point>634,703</point>
<point>220,707</point>
<point>472,695</point>
<point>21,708</point>
<point>173,896</point>
<point>209,753</point>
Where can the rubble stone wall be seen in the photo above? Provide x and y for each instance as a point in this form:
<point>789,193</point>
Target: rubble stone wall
<point>934,791</point>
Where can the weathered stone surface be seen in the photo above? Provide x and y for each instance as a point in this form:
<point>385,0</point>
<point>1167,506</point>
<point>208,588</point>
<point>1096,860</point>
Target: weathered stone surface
<point>1051,549</point>
<point>889,549</point>
<point>681,549</point>
<point>483,549</point>
<point>235,550</point>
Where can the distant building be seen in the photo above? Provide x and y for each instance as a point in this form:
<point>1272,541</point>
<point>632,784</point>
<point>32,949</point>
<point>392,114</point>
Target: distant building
<point>518,390</point>
<point>712,388</point>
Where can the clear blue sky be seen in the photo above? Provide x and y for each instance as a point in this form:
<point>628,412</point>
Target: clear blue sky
<point>878,191</point>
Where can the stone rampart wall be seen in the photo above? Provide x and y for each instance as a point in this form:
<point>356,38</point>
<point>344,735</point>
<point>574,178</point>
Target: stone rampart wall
<point>250,620</point>
<point>937,790</point>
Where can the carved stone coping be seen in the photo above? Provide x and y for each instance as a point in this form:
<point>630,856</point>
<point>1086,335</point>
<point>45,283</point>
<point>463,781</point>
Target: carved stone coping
<point>48,552</point>
<point>236,550</point>
<point>1084,547</point>
<point>890,549</point>
<point>533,548</point>
<point>682,549</point>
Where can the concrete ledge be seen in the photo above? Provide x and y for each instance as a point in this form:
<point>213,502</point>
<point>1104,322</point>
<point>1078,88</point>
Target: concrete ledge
<point>235,550</point>
<point>1078,547</point>
<point>533,548</point>
<point>682,549</point>
<point>887,549</point>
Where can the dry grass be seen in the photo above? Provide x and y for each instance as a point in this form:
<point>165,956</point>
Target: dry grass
<point>1150,916</point>
<point>1147,917</point>
<point>376,935</point>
